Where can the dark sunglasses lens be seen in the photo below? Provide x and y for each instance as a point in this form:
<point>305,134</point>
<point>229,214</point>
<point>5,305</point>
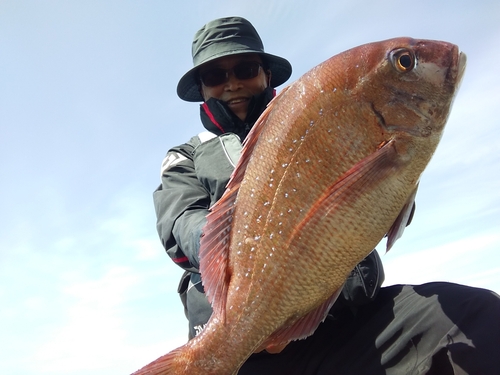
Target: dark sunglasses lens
<point>214,77</point>
<point>218,76</point>
<point>246,70</point>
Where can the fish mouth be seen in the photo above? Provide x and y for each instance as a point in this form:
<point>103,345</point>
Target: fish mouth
<point>461,65</point>
<point>456,69</point>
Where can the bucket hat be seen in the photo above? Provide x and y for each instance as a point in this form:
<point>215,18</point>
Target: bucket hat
<point>224,37</point>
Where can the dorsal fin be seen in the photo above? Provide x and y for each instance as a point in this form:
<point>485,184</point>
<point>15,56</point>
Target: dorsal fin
<point>215,242</point>
<point>250,142</point>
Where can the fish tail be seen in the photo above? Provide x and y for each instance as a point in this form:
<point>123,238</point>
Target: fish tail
<point>206,354</point>
<point>164,365</point>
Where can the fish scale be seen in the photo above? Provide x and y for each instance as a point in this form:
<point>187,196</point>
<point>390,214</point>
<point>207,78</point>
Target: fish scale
<point>329,168</point>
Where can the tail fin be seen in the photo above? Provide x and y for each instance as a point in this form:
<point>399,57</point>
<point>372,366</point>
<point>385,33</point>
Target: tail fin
<point>165,365</point>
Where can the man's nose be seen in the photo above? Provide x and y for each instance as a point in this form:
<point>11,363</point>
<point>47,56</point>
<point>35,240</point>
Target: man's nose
<point>232,82</point>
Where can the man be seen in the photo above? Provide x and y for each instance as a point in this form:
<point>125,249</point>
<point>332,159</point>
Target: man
<point>436,328</point>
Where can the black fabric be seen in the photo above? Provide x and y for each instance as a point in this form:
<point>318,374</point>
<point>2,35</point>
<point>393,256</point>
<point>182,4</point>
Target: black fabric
<point>435,328</point>
<point>227,121</point>
<point>362,285</point>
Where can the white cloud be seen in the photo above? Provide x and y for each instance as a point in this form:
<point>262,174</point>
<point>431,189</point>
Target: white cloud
<point>96,336</point>
<point>94,330</point>
<point>465,261</point>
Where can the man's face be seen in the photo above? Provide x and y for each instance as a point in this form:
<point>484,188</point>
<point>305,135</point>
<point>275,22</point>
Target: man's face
<point>227,79</point>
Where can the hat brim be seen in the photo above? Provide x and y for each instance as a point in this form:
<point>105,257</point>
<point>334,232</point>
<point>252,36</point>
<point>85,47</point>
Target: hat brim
<point>188,86</point>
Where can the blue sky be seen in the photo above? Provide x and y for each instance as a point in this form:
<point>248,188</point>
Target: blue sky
<point>87,111</point>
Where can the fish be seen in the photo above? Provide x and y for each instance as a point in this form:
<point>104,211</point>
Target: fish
<point>330,168</point>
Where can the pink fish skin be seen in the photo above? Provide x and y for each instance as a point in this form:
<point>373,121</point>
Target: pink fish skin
<point>330,167</point>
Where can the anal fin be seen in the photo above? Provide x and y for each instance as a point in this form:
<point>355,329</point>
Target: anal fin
<point>302,328</point>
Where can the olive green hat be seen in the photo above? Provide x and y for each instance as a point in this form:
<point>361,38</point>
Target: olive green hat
<point>225,37</point>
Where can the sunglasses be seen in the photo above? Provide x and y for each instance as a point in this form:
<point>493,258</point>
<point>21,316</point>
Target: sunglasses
<point>242,71</point>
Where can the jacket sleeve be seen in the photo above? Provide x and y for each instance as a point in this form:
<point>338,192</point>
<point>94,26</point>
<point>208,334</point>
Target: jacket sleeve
<point>181,204</point>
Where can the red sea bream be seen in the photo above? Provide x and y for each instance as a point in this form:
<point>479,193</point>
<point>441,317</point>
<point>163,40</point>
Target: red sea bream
<point>329,169</point>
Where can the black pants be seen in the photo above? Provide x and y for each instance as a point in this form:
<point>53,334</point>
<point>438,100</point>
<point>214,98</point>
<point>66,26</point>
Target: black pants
<point>435,328</point>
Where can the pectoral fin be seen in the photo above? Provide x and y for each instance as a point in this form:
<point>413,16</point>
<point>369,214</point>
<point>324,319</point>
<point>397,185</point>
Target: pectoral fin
<point>357,181</point>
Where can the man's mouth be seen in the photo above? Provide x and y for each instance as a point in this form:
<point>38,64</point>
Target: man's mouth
<point>236,101</point>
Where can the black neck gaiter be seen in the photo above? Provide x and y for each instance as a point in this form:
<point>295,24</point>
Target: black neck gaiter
<point>218,118</point>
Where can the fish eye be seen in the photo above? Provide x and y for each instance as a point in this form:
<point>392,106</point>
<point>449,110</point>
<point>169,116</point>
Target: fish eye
<point>403,60</point>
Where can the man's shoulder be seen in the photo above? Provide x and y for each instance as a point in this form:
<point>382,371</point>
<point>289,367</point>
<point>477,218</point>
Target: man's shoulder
<point>204,136</point>
<point>184,152</point>
<point>195,141</point>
